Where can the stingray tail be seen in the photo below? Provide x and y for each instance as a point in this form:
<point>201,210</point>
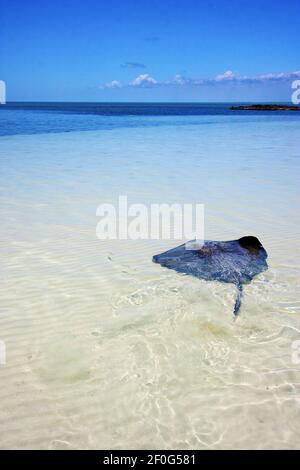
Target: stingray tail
<point>238,301</point>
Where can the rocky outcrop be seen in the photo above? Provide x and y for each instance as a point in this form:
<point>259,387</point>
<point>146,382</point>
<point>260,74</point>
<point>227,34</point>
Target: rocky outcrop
<point>266,107</point>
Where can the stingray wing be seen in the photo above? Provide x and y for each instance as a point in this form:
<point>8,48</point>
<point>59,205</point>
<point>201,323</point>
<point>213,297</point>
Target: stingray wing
<point>222,261</point>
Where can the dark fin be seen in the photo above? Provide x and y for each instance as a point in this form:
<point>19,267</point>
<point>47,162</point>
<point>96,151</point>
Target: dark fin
<point>252,244</point>
<point>238,299</point>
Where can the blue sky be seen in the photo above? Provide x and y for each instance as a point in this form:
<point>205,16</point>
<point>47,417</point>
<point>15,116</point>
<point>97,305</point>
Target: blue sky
<point>149,50</point>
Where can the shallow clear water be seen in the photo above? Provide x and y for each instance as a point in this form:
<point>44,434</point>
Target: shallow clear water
<point>106,349</point>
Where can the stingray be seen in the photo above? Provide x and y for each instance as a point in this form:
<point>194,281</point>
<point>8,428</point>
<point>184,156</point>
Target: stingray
<point>234,261</point>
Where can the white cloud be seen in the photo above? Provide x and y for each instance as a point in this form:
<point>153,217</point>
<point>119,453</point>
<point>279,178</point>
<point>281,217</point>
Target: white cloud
<point>179,80</point>
<point>228,75</point>
<point>278,76</point>
<point>112,84</point>
<point>235,77</point>
<point>143,80</point>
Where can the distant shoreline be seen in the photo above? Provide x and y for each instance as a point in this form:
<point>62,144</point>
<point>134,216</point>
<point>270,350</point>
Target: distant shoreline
<point>265,107</point>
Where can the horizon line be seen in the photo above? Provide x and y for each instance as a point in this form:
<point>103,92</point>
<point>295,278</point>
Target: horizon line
<point>145,102</point>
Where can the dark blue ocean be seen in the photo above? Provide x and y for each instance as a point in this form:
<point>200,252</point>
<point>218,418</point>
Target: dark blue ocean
<point>39,118</point>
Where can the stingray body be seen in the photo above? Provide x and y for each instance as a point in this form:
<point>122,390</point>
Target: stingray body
<point>235,261</point>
